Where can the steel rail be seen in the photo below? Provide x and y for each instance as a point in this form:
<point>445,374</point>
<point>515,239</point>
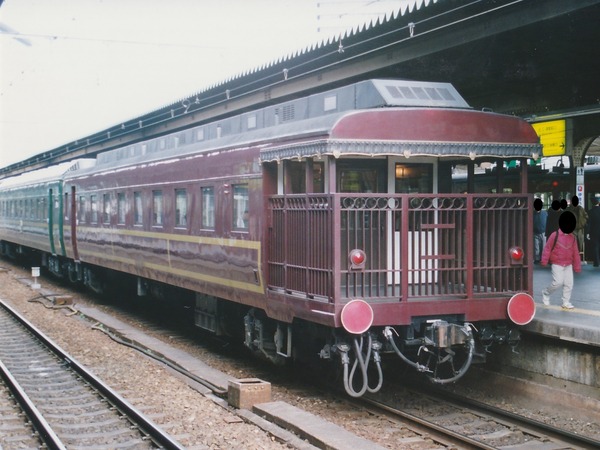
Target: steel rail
<point>42,427</point>
<point>522,421</point>
<point>159,437</point>
<point>454,437</point>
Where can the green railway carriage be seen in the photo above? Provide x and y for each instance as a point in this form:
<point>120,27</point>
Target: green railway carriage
<point>33,211</point>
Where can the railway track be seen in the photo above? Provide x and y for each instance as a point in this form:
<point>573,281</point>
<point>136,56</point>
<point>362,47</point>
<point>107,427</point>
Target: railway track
<point>475,425</point>
<point>436,422</point>
<point>458,422</point>
<point>65,405</point>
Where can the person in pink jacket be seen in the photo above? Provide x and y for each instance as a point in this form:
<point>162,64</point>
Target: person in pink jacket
<point>562,252</point>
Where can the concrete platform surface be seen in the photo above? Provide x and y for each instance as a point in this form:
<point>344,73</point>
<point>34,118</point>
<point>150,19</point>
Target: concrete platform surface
<point>581,324</point>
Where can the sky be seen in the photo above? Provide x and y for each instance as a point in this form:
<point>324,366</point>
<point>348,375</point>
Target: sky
<point>70,68</point>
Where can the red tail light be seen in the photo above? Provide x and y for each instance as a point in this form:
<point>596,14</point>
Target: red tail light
<point>357,316</point>
<point>516,253</point>
<point>521,308</point>
<point>357,259</point>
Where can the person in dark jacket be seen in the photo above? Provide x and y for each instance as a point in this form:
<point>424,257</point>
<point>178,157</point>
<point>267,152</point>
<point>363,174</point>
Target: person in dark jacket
<point>540,218</point>
<point>593,230</point>
<point>581,216</point>
<point>553,215</point>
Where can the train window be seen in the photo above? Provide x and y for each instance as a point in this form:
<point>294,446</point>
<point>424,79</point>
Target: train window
<point>81,212</point>
<point>157,208</point>
<point>240,207</point>
<point>67,207</point>
<point>370,177</point>
<point>121,208</point>
<point>296,177</point>
<point>106,208</point>
<point>138,217</point>
<point>94,207</point>
<point>180,208</point>
<point>208,207</point>
<point>414,178</point>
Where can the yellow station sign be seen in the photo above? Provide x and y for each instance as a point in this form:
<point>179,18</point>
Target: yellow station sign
<point>552,137</point>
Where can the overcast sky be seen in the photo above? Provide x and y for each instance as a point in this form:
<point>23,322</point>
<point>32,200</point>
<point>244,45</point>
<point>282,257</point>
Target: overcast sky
<point>70,68</point>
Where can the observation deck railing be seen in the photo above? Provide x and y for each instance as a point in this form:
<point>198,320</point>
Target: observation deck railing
<point>417,247</point>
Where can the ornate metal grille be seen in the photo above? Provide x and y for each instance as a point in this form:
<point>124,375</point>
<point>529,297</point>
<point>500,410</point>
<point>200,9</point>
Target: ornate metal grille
<point>418,246</point>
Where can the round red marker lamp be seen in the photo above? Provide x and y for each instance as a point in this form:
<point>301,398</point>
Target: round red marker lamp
<point>357,316</point>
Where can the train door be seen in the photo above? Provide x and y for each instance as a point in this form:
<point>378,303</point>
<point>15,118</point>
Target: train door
<point>72,217</point>
<point>55,221</point>
<point>419,176</point>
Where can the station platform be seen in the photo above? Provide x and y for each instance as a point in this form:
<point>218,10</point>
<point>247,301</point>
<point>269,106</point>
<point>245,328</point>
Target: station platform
<point>581,324</point>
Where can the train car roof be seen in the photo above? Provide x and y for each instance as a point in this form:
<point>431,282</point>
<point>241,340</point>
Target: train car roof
<point>407,132</point>
<point>335,123</point>
<point>47,174</point>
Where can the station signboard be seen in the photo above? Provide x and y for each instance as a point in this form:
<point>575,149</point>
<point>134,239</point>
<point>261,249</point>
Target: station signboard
<point>580,186</point>
<point>552,137</point>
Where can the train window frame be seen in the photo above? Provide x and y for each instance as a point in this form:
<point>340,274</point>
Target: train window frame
<point>208,209</point>
<point>66,208</point>
<point>241,200</point>
<point>121,208</point>
<point>94,208</point>
<point>362,177</point>
<point>40,208</point>
<point>82,207</point>
<point>181,207</point>
<point>158,208</point>
<point>106,209</point>
<point>138,209</point>
<point>407,174</point>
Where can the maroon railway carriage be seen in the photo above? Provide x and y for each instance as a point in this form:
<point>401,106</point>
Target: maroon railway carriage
<point>322,226</point>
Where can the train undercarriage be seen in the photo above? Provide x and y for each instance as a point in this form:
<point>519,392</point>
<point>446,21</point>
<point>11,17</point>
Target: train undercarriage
<point>441,350</point>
